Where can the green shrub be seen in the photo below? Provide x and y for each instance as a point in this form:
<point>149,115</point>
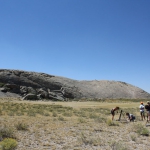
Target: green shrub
<point>133,137</point>
<point>19,113</point>
<point>50,110</point>
<point>40,111</point>
<point>8,144</point>
<point>6,132</point>
<point>118,146</point>
<point>67,114</point>
<point>11,113</point>
<point>54,114</point>
<point>145,132</point>
<point>75,112</point>
<point>1,112</point>
<point>21,126</point>
<point>106,112</point>
<point>87,109</point>
<point>81,120</point>
<point>31,113</point>
<point>82,114</point>
<point>89,140</point>
<point>100,120</point>
<point>61,118</point>
<point>46,114</point>
<point>93,115</point>
<point>141,130</point>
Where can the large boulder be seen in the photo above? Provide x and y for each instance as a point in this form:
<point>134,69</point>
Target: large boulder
<point>42,93</point>
<point>23,90</point>
<point>31,90</point>
<point>56,97</point>
<point>3,89</point>
<point>30,97</point>
<point>12,88</point>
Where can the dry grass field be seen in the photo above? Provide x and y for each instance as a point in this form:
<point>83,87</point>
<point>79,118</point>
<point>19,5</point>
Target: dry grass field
<point>72,125</point>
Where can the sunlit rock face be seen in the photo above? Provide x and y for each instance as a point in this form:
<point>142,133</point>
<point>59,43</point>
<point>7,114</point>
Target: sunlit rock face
<point>26,84</point>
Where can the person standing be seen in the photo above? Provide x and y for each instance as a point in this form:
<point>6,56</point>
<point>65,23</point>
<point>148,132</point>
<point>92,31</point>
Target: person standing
<point>142,113</point>
<point>147,107</point>
<point>113,112</point>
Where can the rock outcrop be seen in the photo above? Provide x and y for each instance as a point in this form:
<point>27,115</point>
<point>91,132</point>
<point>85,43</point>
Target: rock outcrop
<point>33,85</point>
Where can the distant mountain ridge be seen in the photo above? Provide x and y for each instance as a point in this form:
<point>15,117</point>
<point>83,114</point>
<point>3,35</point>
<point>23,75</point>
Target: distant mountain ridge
<point>33,85</point>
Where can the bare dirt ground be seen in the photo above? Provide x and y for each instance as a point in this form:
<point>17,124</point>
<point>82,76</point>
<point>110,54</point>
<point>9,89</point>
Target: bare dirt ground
<point>73,125</point>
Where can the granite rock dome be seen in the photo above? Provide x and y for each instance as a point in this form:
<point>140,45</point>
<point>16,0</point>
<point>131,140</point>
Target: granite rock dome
<point>33,85</point>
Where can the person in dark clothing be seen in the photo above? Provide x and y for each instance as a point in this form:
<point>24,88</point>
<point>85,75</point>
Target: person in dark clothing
<point>147,107</point>
<point>113,112</point>
<point>131,117</point>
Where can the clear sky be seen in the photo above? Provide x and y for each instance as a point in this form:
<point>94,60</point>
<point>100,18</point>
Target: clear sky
<point>78,39</point>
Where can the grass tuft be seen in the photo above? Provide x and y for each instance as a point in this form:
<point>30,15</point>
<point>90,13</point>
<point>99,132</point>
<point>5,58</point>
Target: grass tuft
<point>141,130</point>
<point>21,126</point>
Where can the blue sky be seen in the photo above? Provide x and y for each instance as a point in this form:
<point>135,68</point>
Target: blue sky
<point>78,39</point>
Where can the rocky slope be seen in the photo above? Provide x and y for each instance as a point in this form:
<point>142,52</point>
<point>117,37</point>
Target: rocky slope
<point>33,85</point>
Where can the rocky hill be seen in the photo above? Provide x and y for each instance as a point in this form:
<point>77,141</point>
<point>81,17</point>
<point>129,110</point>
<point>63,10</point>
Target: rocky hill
<point>33,85</point>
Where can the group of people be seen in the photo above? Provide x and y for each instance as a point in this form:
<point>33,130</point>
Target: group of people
<point>131,117</point>
<point>142,111</point>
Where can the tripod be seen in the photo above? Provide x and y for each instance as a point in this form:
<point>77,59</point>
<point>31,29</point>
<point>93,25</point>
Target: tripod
<point>121,114</point>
